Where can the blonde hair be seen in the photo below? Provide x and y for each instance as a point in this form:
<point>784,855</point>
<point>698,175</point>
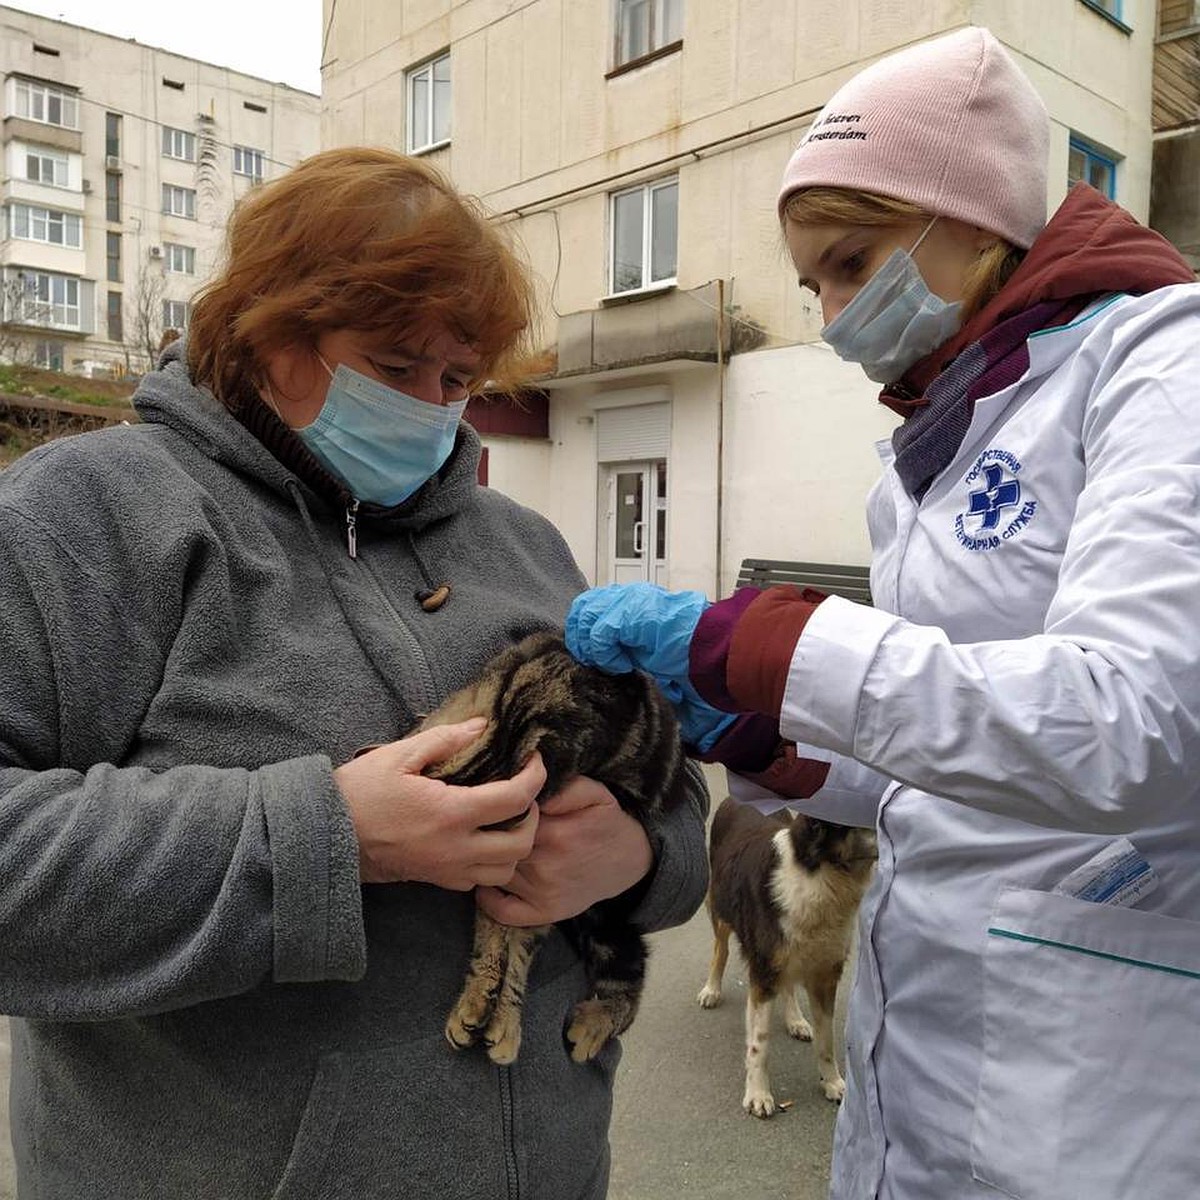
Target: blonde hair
<point>843,206</point>
<point>363,239</point>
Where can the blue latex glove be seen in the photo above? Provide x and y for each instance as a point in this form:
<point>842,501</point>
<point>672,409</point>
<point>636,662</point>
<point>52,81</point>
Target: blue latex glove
<point>700,723</point>
<point>640,626</point>
<point>628,626</point>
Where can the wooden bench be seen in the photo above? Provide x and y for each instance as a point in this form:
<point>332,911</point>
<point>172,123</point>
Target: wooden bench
<point>835,579</point>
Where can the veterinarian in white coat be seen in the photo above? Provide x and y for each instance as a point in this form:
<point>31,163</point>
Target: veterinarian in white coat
<point>1020,711</point>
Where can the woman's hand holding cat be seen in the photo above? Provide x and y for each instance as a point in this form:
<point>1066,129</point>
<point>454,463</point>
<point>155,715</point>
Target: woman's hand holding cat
<point>413,828</point>
<point>586,849</point>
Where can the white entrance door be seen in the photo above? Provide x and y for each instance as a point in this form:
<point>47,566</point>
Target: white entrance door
<point>636,518</point>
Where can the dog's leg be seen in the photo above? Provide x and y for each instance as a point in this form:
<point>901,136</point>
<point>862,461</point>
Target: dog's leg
<point>758,1100</point>
<point>710,993</point>
<point>484,977</point>
<point>797,1026</point>
<point>822,993</point>
<point>503,1036</point>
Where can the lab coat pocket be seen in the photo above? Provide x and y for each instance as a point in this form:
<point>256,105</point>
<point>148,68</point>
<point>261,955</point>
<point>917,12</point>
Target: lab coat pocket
<point>1091,1054</point>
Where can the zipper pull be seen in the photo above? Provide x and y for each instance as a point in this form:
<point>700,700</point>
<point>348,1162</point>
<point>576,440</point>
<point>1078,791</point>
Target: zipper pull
<point>352,528</point>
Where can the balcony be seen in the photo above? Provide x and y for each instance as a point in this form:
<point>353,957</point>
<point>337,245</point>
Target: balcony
<point>671,326</point>
<point>1174,197</point>
<point>1176,96</point>
<point>48,303</point>
<point>43,134</point>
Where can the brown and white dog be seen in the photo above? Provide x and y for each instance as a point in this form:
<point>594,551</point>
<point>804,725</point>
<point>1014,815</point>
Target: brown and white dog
<point>789,888</point>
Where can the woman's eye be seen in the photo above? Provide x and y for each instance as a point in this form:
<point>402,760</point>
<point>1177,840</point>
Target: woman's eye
<point>392,370</point>
<point>854,263</point>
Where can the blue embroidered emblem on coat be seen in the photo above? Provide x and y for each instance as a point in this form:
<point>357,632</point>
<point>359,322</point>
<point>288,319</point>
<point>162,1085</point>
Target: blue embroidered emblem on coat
<point>997,509</point>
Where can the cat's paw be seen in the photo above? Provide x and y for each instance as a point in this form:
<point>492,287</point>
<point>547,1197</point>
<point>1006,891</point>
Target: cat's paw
<point>471,1014</point>
<point>592,1024</point>
<point>503,1036</point>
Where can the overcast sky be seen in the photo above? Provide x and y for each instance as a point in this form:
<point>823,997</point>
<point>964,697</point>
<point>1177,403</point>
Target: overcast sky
<point>279,40</point>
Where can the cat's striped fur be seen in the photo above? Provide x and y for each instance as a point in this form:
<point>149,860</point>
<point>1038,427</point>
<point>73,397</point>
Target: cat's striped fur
<point>617,729</point>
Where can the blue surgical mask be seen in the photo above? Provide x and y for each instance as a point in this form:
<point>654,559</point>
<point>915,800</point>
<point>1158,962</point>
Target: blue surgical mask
<point>381,443</point>
<point>894,321</point>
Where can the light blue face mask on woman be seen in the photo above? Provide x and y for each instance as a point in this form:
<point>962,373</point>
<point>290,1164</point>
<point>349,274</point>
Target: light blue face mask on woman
<point>381,443</point>
<point>894,321</point>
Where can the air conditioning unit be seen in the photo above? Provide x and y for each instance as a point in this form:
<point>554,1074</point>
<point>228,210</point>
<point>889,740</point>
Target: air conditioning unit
<point>156,252</point>
<point>86,187</point>
<point>112,162</point>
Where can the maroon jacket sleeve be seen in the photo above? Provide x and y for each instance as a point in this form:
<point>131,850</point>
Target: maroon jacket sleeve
<point>743,647</point>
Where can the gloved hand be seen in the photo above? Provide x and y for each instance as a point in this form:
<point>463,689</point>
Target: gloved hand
<point>640,626</point>
<point>682,639</point>
<point>631,626</point>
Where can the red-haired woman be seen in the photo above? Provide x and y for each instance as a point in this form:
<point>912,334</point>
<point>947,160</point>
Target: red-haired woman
<point>206,613</point>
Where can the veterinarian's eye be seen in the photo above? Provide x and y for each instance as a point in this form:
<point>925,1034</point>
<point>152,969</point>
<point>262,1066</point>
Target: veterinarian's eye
<point>853,264</point>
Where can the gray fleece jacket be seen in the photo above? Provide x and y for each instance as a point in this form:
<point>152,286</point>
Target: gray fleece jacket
<point>207,1002</point>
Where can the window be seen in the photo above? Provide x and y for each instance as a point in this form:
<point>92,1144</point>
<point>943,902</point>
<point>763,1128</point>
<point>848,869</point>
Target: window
<point>48,299</point>
<point>1087,164</point>
<point>429,105</point>
<point>1110,7</point>
<point>248,162</point>
<point>261,108</point>
<point>50,105</point>
<point>32,224</point>
<point>116,325</point>
<point>44,166</point>
<point>179,201</point>
<point>174,84</point>
<point>178,143</point>
<point>644,26</point>
<point>645,224</point>
<point>112,197</point>
<point>175,314</point>
<point>112,135</point>
<point>180,259</point>
<point>48,355</point>
<point>113,252</point>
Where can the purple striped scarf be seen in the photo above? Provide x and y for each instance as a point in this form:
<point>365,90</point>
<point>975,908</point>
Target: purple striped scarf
<point>926,443</point>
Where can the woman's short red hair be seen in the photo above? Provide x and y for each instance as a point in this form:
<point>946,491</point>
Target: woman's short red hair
<point>362,239</point>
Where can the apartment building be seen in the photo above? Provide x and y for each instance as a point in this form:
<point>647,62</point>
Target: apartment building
<point>633,149</point>
<point>121,163</point>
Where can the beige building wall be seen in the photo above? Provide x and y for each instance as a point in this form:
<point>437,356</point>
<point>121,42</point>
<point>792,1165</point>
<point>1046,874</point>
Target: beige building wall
<point>771,445</point>
<point>143,89</point>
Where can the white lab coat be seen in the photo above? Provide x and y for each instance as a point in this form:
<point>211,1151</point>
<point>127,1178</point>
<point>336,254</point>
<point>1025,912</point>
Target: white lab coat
<point>1026,690</point>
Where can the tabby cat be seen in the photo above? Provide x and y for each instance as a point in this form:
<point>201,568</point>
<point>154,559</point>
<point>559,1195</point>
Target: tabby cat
<point>617,729</point>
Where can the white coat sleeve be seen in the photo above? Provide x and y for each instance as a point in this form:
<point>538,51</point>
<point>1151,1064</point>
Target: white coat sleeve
<point>1092,724</point>
<point>850,794</point>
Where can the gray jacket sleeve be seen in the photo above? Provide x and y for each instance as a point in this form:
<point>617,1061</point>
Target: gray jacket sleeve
<point>676,886</point>
<point>126,890</point>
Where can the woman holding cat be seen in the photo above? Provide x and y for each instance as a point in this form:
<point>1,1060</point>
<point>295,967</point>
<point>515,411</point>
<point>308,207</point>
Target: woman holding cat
<point>230,943</point>
<point>1019,715</point>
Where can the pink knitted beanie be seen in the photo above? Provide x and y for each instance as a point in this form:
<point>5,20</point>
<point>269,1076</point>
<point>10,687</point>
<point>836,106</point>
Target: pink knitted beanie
<point>951,125</point>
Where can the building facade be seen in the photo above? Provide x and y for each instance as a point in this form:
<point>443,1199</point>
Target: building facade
<point>633,149</point>
<point>121,164</point>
